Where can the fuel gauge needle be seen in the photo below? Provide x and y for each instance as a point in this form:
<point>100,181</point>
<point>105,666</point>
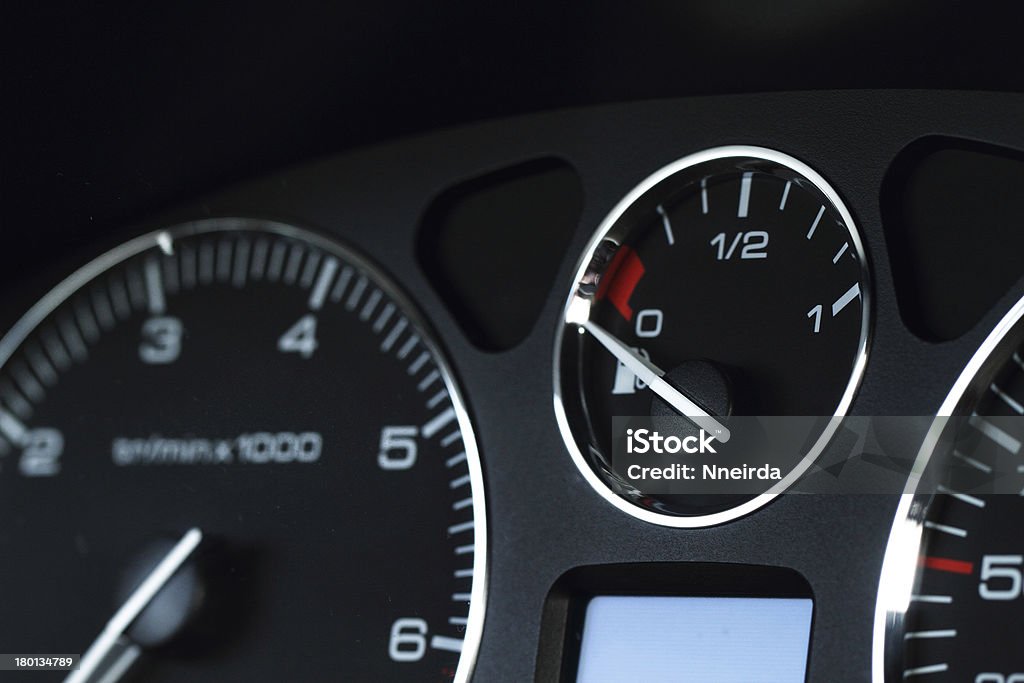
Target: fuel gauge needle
<point>111,639</point>
<point>653,377</point>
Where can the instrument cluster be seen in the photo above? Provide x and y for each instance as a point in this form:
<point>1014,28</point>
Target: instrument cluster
<point>492,404</point>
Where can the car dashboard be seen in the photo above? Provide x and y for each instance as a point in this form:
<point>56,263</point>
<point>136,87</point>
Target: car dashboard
<point>718,387</point>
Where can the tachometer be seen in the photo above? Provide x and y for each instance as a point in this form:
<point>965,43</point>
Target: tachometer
<point>261,407</point>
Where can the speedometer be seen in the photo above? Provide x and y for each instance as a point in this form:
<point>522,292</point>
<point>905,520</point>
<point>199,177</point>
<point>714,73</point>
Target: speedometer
<point>951,598</point>
<point>231,450</point>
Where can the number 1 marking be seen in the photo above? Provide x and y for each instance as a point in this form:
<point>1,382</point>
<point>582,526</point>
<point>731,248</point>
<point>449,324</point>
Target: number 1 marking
<point>816,313</point>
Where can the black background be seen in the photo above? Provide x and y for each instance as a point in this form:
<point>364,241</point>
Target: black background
<point>116,109</point>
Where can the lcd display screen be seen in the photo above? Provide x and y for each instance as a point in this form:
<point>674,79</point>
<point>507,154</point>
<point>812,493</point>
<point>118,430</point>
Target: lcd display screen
<point>654,638</point>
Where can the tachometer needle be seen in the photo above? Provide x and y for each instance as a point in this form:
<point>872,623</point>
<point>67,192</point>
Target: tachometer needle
<point>653,377</point>
<point>110,639</point>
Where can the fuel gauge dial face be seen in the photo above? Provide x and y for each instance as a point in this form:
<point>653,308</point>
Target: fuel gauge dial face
<point>732,282</point>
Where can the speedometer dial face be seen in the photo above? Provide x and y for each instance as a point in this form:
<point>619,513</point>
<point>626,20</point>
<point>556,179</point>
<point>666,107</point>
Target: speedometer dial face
<point>737,278</point>
<point>951,599</point>
<point>275,392</point>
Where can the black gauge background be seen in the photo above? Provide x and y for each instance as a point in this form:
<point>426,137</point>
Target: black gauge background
<point>764,334</point>
<point>544,519</point>
<point>747,317</point>
<point>306,567</point>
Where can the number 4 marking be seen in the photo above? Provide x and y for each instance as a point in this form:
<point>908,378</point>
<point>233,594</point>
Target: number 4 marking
<point>300,337</point>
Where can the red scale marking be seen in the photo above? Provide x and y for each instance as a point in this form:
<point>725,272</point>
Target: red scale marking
<point>620,279</point>
<point>944,564</point>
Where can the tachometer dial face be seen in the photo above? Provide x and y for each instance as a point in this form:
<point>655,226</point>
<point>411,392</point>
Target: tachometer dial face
<point>275,391</point>
<point>737,278</point>
<point>951,599</point>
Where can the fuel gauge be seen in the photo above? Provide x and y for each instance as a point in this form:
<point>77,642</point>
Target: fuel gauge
<point>731,282</point>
